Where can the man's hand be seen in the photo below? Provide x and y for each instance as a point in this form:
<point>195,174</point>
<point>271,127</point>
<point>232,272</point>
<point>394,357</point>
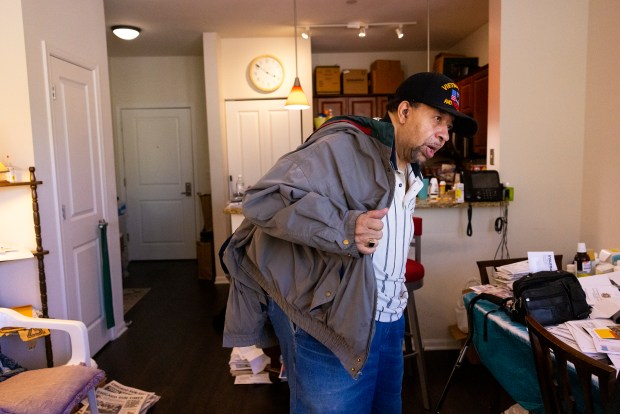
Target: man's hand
<point>369,230</point>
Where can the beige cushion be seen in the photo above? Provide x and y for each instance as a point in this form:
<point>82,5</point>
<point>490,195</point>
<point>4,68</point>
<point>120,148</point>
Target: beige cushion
<point>48,391</point>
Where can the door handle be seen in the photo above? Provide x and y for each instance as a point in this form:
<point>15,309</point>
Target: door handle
<point>188,190</point>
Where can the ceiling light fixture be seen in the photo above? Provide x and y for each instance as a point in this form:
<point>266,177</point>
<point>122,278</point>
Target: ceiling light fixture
<point>399,31</point>
<point>306,33</point>
<point>126,32</point>
<point>297,98</point>
<point>362,27</point>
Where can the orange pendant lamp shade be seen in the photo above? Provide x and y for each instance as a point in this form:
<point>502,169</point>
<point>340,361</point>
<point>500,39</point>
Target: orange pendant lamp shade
<point>297,98</point>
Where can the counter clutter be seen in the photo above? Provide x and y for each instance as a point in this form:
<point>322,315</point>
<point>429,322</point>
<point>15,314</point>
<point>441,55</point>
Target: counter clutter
<point>236,208</point>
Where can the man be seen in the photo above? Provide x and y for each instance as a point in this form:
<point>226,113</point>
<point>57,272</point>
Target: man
<point>320,257</point>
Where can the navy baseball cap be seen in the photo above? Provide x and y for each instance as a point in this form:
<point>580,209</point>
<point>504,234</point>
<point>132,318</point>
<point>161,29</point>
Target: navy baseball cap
<point>438,91</point>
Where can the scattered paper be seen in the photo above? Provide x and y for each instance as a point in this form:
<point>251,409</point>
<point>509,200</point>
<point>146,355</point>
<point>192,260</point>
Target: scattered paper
<point>597,288</point>
<point>14,253</point>
<point>541,261</point>
<point>117,398</point>
<point>262,378</point>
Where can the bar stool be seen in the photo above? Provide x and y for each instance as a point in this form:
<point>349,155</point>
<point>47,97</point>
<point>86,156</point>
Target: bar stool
<point>414,280</point>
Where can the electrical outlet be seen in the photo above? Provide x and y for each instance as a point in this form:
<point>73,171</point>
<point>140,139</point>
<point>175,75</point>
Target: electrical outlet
<point>492,156</point>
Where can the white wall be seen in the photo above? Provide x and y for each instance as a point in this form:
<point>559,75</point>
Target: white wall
<point>30,27</point>
<point>476,44</point>
<point>542,114</point>
<point>226,63</point>
<point>163,82</point>
<point>600,226</point>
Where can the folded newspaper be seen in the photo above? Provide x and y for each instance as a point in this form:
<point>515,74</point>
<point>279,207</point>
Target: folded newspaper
<point>116,398</point>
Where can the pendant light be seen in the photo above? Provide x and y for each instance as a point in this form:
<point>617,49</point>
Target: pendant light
<point>297,98</point>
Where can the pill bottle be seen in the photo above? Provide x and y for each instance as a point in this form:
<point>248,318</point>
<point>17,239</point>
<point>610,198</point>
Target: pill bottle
<point>433,189</point>
<point>583,265</point>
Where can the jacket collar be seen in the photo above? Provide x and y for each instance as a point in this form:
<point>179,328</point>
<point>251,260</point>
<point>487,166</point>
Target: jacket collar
<point>383,130</point>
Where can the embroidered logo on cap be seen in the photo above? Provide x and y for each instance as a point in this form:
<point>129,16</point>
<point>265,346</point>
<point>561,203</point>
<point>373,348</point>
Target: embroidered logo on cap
<point>455,99</point>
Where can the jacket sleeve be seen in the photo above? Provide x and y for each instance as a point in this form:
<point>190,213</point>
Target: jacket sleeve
<point>284,203</point>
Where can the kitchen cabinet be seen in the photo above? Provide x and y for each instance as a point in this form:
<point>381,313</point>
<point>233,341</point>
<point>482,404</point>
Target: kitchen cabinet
<point>39,253</point>
<point>475,103</point>
<point>363,105</point>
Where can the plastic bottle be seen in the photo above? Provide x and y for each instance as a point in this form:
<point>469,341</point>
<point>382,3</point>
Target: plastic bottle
<point>433,189</point>
<point>583,265</point>
<point>442,188</point>
<point>239,187</point>
<point>459,189</point>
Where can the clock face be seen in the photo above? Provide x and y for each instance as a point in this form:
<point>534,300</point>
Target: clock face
<point>266,73</point>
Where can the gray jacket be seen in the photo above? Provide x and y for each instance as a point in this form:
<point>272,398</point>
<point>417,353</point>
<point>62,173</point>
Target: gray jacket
<point>296,243</point>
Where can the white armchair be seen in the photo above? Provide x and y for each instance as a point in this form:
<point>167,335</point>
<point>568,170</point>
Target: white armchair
<point>51,390</point>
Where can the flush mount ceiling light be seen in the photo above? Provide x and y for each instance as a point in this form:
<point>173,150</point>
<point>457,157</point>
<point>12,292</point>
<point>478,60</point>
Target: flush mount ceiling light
<point>399,31</point>
<point>126,32</point>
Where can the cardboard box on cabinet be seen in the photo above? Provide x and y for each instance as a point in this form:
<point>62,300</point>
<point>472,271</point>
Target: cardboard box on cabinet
<point>355,81</point>
<point>327,80</point>
<point>385,82</point>
<point>386,65</point>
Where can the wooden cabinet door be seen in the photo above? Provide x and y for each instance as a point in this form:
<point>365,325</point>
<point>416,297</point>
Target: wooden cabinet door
<point>363,106</point>
<point>480,87</point>
<point>475,103</point>
<point>338,105</point>
<point>381,106</point>
<point>466,96</point>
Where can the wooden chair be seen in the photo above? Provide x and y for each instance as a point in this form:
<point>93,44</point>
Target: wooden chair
<point>484,265</point>
<point>414,280</point>
<point>551,357</point>
<point>51,390</point>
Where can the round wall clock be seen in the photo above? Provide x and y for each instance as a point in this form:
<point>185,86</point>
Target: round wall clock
<point>266,73</point>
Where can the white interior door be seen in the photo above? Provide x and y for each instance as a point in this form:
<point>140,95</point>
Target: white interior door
<point>78,146</point>
<point>157,145</point>
<point>258,133</point>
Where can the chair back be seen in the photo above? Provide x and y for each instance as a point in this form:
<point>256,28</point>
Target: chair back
<point>551,357</point>
<point>484,265</point>
<point>416,242</point>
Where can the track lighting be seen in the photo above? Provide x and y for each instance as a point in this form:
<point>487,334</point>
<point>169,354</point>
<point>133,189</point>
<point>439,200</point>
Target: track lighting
<point>359,26</point>
<point>399,31</point>
<point>126,32</point>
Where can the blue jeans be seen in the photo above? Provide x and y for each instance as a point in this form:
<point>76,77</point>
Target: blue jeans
<point>318,382</point>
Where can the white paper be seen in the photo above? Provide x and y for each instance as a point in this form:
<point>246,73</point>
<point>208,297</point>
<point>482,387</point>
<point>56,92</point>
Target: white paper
<point>13,253</point>
<point>541,261</point>
<point>583,338</point>
<point>605,308</point>
<point>262,378</point>
<point>598,287</point>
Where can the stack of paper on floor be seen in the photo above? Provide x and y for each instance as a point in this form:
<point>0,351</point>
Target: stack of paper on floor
<point>247,365</point>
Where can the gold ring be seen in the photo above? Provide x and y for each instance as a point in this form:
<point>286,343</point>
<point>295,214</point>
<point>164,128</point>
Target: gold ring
<point>372,243</point>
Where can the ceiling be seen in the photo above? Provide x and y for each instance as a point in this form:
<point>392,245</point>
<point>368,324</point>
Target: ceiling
<point>174,28</point>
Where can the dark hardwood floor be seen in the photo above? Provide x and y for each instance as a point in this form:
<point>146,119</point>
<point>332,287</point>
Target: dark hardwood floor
<point>173,348</point>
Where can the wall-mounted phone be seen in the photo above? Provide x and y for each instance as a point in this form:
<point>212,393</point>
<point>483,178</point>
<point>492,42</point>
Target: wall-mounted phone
<point>483,186</point>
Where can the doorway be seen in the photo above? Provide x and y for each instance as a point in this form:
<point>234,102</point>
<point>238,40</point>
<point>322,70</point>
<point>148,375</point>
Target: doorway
<point>159,174</point>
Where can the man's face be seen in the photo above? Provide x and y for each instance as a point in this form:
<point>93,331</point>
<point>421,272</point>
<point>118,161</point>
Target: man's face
<point>421,131</point>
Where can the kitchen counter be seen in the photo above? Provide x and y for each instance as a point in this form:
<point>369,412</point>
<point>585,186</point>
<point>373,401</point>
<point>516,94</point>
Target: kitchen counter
<point>236,208</point>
